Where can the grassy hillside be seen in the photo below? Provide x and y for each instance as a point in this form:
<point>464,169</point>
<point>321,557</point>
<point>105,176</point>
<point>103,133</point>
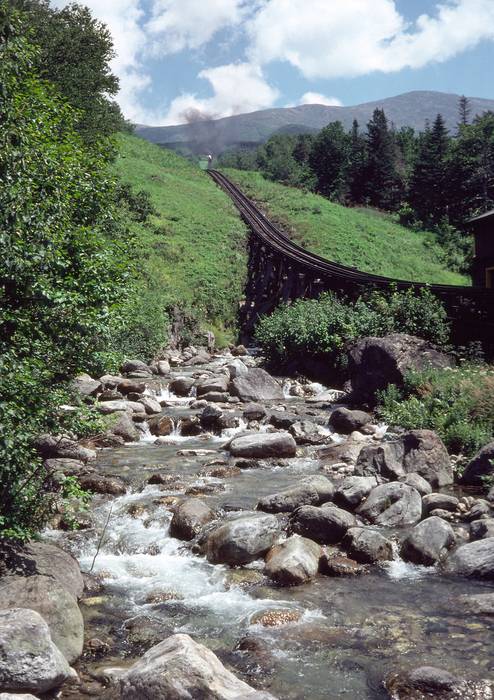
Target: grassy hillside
<point>361,238</point>
<point>192,251</point>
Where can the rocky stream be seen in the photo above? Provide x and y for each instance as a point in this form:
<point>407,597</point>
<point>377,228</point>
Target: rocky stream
<point>318,554</point>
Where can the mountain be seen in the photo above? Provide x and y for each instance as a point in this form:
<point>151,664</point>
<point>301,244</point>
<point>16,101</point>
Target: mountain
<point>248,130</point>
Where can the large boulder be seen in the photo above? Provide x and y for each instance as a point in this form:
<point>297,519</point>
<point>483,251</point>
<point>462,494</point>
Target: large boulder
<point>313,491</point>
<point>181,386</point>
<point>256,385</point>
<point>189,518</point>
<point>441,501</point>
<point>243,539</point>
<point>425,682</point>
<point>482,465</point>
<point>136,368</point>
<point>29,660</point>
<point>62,446</point>
<point>294,561</point>
<point>237,368</point>
<point>419,451</point>
<point>306,432</point>
<point>475,559</point>
<point>262,445</point>
<point>374,363</point>
<point>326,525</point>
<point>428,542</point>
<point>215,384</point>
<point>41,558</point>
<point>352,490</point>
<point>85,385</point>
<point>125,428</point>
<point>151,406</point>
<point>367,546</point>
<point>345,421</point>
<point>482,528</point>
<point>181,669</point>
<point>55,604</point>
<point>392,505</point>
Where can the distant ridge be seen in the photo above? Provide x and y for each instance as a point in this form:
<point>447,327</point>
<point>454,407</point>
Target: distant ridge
<point>247,130</point>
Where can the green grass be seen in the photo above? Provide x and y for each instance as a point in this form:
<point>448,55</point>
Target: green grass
<point>193,251</point>
<point>362,238</point>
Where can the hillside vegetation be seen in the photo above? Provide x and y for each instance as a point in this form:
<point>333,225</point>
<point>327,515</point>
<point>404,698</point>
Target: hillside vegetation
<point>362,238</point>
<point>192,249</point>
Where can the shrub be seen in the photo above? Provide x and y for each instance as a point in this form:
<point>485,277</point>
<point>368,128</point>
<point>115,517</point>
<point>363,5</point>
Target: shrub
<point>324,326</point>
<point>456,403</point>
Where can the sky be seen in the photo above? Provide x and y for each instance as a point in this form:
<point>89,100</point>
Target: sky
<point>179,60</point>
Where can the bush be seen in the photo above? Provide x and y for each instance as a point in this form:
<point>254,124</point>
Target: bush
<point>322,328</point>
<point>456,403</point>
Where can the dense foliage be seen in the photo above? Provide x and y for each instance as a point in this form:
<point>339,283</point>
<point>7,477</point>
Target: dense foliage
<point>321,328</point>
<point>65,268</point>
<point>456,403</point>
<point>74,53</point>
<point>432,180</point>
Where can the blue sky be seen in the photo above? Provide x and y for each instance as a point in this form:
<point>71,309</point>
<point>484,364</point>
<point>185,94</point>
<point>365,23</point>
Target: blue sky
<point>179,59</point>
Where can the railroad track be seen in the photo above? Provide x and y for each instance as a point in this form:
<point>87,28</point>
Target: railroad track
<point>470,308</point>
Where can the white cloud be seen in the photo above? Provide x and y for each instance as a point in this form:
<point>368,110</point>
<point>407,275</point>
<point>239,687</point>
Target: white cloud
<point>237,88</point>
<point>176,25</point>
<point>315,98</point>
<point>344,39</point>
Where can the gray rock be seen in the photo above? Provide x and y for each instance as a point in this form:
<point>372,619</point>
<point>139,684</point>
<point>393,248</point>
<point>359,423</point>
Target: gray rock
<point>66,467</point>
<point>374,363</point>
<point>423,682</point>
<point>261,445</point>
<point>216,397</point>
<point>29,660</point>
<point>313,490</point>
<point>474,559</point>
<point>243,539</point>
<point>55,604</point>
<point>60,446</point>
<point>283,420</point>
<point>211,416</point>
<point>236,368</point>
<point>480,604</point>
<point>420,451</point>
<point>256,385</point>
<point>41,558</point>
<point>254,411</point>
<point>294,561</point>
<point>347,452</point>
<point>189,518</point>
<point>97,483</point>
<point>444,501</point>
<point>180,669</point>
<point>344,421</point>
<point>490,495</point>
<point>130,386</point>
<point>481,529</point>
<point>161,425</point>
<point>124,427</point>
<point>418,482</point>
<point>480,509</point>
<point>352,490</point>
<point>392,505</point>
<point>215,384</point>
<point>181,386</point>
<point>17,696</point>
<point>428,542</point>
<point>85,385</point>
<point>308,433</point>
<point>482,465</point>
<point>110,381</point>
<point>107,407</point>
<point>134,367</point>
<point>326,525</point>
<point>163,367</point>
<point>367,546</point>
<point>150,405</point>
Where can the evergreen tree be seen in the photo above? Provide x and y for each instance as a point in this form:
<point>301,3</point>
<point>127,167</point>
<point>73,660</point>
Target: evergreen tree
<point>328,159</point>
<point>429,191</point>
<point>356,166</point>
<point>463,111</point>
<point>382,187</point>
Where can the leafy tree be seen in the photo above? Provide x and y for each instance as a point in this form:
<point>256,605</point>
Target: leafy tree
<point>276,162</point>
<point>383,182</point>
<point>429,193</point>
<point>75,54</point>
<point>64,269</point>
<point>328,159</point>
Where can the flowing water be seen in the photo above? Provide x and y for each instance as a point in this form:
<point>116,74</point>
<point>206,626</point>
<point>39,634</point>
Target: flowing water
<point>351,633</point>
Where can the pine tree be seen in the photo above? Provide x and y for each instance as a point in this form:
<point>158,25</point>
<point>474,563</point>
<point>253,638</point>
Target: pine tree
<point>328,160</point>
<point>355,175</point>
<point>382,187</point>
<point>429,191</point>
<point>463,111</point>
